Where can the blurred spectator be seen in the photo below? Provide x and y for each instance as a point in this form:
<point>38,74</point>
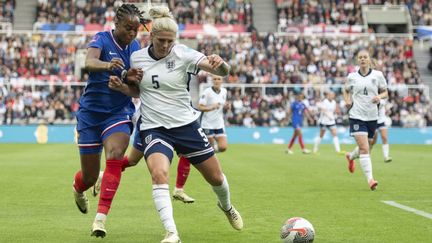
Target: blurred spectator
<point>7,8</point>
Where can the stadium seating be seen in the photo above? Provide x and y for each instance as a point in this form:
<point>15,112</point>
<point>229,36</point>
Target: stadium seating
<point>7,8</point>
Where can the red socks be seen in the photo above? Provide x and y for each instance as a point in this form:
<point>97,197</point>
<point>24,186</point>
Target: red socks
<point>292,142</point>
<point>300,139</point>
<point>110,183</point>
<point>183,170</point>
<point>79,183</point>
<point>125,163</point>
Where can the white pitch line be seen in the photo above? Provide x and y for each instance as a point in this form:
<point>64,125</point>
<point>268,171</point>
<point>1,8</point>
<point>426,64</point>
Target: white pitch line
<point>408,209</point>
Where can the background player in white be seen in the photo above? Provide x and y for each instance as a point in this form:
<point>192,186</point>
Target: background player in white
<point>362,93</point>
<point>169,122</point>
<point>383,130</point>
<point>211,103</point>
<point>327,120</point>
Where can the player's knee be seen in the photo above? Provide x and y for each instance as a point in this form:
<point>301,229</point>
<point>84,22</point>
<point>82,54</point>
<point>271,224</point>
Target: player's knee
<point>215,178</point>
<point>159,177</point>
<point>115,154</point>
<point>363,150</point>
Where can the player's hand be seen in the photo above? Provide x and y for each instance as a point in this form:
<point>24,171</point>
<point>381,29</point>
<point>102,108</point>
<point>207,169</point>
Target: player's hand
<point>135,75</point>
<point>216,106</point>
<point>376,99</point>
<point>348,104</point>
<point>215,61</point>
<point>115,83</point>
<point>115,63</point>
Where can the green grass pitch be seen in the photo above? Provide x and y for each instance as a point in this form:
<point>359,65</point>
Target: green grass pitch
<point>267,187</point>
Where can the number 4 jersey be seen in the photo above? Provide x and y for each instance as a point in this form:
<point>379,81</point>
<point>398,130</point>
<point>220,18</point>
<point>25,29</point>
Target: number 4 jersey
<point>164,89</point>
<point>363,89</point>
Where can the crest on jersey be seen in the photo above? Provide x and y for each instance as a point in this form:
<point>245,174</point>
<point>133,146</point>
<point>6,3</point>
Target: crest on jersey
<point>170,65</point>
<point>356,127</point>
<point>148,139</point>
<point>374,81</point>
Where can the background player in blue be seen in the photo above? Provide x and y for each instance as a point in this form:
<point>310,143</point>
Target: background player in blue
<point>168,120</point>
<point>104,116</point>
<point>297,109</point>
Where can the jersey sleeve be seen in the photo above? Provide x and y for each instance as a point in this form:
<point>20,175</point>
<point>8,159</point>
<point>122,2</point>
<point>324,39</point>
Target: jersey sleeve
<point>348,83</point>
<point>96,41</point>
<point>192,59</point>
<point>203,98</point>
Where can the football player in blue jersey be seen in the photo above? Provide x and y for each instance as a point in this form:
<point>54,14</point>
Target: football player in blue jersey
<point>104,116</point>
<point>297,109</point>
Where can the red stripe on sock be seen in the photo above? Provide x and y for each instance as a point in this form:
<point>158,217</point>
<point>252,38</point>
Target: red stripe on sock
<point>110,182</point>
<point>183,170</point>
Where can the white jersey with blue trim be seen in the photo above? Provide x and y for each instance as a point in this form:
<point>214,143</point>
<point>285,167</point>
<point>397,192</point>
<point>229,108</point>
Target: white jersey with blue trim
<point>327,114</point>
<point>362,89</point>
<point>213,119</point>
<point>164,88</point>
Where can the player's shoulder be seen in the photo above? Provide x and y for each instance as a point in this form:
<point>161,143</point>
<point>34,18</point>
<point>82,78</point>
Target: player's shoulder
<point>353,75</point>
<point>182,49</point>
<point>143,52</point>
<point>377,73</point>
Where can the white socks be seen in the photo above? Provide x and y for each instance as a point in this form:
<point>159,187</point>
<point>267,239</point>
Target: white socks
<point>336,144</point>
<point>386,150</point>
<point>223,194</point>
<point>162,201</point>
<point>366,165</point>
<point>316,145</point>
<point>354,154</point>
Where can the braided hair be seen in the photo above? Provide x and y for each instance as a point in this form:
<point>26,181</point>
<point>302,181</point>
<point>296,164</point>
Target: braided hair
<point>126,10</point>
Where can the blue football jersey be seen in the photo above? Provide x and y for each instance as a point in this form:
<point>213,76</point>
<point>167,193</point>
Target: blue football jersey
<point>297,109</point>
<point>97,96</point>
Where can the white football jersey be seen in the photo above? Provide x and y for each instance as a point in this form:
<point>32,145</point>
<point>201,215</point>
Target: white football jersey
<point>382,111</point>
<point>362,90</point>
<point>327,114</point>
<point>213,119</point>
<point>164,94</point>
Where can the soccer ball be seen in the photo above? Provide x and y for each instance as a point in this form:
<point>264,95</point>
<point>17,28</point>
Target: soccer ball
<point>297,230</point>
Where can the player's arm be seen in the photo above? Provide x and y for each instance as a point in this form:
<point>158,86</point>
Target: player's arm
<point>94,64</point>
<point>347,95</point>
<point>214,64</point>
<point>382,89</point>
<point>129,89</point>
<point>205,108</point>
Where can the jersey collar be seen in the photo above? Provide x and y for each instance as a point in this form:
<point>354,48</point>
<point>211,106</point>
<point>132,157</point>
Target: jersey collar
<point>115,42</point>
<point>214,90</point>
<point>370,71</point>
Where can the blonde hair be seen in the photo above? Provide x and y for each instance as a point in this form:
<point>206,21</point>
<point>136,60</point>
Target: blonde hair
<point>162,19</point>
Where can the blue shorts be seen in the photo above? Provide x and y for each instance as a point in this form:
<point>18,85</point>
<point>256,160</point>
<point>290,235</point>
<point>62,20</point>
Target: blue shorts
<point>359,127</point>
<point>215,132</point>
<point>297,124</point>
<point>90,138</point>
<point>381,125</point>
<point>188,141</point>
<point>323,126</point>
<point>137,140</point>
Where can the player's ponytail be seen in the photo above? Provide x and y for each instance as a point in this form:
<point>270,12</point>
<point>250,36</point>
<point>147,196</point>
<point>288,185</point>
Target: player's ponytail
<point>162,19</point>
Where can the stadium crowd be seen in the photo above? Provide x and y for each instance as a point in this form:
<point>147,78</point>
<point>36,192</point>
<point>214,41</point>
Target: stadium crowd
<point>294,12</point>
<point>7,8</point>
<point>186,12</point>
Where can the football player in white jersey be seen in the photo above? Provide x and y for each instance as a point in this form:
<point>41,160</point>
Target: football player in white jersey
<point>383,130</point>
<point>362,93</point>
<point>211,103</point>
<point>327,120</point>
<point>168,120</point>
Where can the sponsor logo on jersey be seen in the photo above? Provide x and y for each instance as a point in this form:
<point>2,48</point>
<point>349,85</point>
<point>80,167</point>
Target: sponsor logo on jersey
<point>112,53</point>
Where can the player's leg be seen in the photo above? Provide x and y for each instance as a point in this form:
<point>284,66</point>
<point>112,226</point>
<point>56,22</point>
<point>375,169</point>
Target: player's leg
<point>183,170</point>
<point>85,178</point>
<point>221,141</point>
<point>336,144</point>
<point>385,145</point>
<point>90,147</point>
<point>363,138</point>
<point>212,172</point>
<point>115,140</point>
<point>300,140</point>
<point>158,165</point>
<point>291,143</point>
<point>318,139</point>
